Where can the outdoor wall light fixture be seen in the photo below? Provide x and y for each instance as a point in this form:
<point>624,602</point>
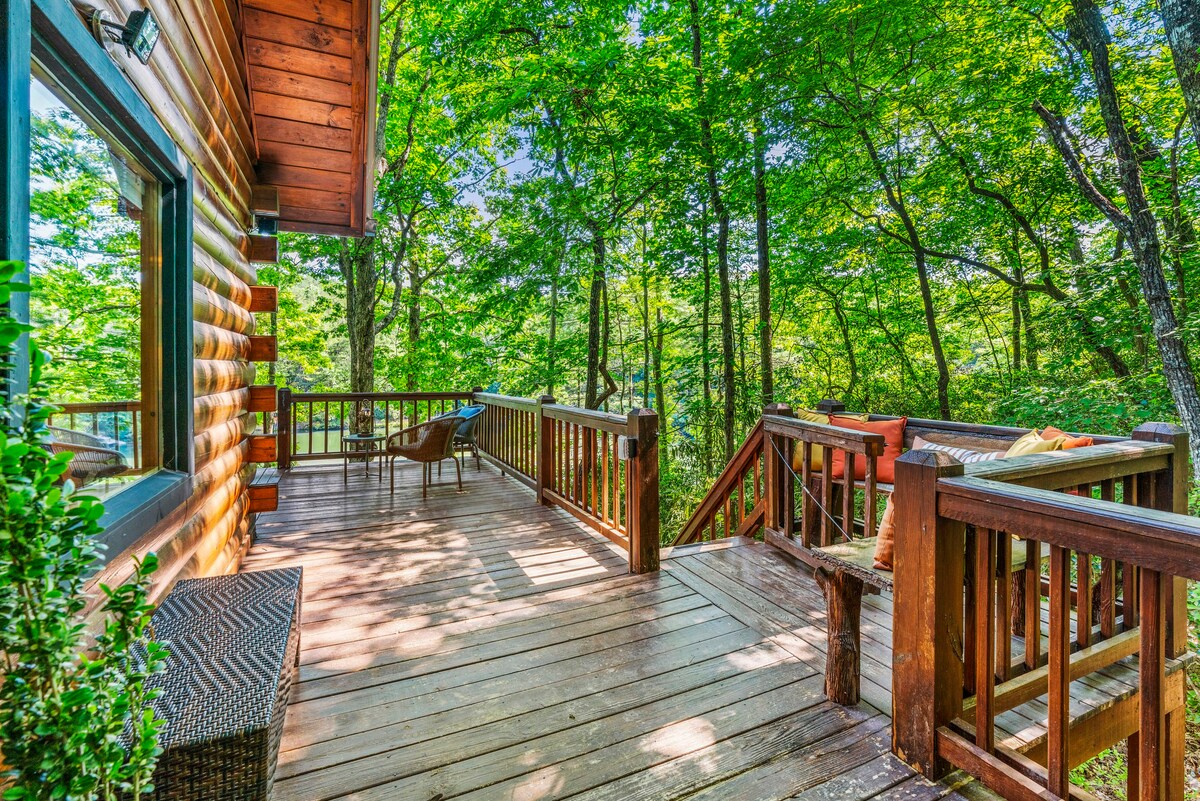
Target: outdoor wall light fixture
<point>139,34</point>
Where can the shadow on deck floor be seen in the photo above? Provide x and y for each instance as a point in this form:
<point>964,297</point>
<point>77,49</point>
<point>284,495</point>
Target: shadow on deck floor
<point>479,646</point>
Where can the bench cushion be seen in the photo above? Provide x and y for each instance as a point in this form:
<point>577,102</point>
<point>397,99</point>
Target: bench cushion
<point>885,466</point>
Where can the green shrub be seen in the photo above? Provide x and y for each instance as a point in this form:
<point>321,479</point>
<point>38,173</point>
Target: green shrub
<point>75,715</point>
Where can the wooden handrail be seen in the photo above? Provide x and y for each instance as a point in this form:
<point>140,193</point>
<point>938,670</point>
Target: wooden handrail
<point>747,457</point>
<point>380,396</point>
<point>831,436</point>
<point>99,407</point>
<point>504,401</point>
<point>601,421</point>
<point>1149,538</point>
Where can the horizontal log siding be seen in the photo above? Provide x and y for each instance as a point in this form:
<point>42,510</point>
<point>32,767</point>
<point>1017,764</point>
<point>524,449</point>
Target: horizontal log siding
<point>196,85</point>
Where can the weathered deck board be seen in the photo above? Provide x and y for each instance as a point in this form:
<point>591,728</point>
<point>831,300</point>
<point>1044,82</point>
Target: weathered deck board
<point>479,646</point>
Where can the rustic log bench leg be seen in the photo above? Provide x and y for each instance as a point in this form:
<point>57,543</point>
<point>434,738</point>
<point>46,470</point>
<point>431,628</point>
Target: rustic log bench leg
<point>843,603</point>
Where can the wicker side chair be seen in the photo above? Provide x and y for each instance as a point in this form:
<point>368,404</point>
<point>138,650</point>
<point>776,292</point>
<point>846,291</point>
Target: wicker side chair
<point>90,460</point>
<point>464,437</point>
<point>427,442</point>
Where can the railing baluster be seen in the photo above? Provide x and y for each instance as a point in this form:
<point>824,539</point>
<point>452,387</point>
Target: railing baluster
<point>1033,604</point>
<point>1003,573</point>
<point>1154,599</point>
<point>848,499</point>
<point>985,642</point>
<point>1059,696</point>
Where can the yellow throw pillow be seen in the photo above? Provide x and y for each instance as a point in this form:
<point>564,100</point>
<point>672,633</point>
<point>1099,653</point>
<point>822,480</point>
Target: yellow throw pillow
<point>818,453</point>
<point>1033,443</point>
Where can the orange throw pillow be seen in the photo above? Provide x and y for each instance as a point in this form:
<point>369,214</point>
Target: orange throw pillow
<point>885,541</point>
<point>1071,442</point>
<point>893,446</point>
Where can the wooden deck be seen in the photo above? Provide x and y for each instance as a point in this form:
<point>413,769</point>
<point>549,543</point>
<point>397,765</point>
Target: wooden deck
<point>479,646</point>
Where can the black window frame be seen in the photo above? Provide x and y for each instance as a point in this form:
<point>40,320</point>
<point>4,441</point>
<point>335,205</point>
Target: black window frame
<point>52,33</point>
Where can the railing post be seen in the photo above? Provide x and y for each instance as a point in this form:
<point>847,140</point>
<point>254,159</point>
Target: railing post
<point>545,450</point>
<point>283,426</point>
<point>642,492</point>
<point>927,662</point>
<point>781,486</point>
<point>831,406</point>
<point>1163,618</point>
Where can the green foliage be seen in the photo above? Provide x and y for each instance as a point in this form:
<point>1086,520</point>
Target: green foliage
<point>86,272</point>
<point>75,714</point>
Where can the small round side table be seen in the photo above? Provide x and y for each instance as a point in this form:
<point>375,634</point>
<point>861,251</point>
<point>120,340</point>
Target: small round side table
<point>367,446</point>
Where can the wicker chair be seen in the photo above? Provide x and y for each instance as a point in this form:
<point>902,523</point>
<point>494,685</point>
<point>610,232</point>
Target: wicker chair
<point>90,460</point>
<point>427,443</point>
<point>464,437</point>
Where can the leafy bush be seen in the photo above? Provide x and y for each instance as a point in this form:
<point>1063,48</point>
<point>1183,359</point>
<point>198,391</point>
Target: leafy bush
<point>75,714</point>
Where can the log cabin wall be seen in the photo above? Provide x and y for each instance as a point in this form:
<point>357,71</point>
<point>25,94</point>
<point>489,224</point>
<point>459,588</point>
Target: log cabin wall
<point>196,85</point>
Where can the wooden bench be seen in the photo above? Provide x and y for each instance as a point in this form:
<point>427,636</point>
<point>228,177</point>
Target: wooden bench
<point>844,571</point>
<point>234,646</point>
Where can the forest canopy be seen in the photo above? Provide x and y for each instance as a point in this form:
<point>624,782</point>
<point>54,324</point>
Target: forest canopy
<point>981,210</point>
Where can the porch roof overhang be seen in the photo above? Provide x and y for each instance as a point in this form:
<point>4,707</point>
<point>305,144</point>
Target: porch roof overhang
<point>310,71</point>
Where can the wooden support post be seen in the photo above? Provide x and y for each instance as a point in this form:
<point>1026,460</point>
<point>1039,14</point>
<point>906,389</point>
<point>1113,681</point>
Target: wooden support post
<point>284,429</point>
<point>643,492</point>
<point>780,488</point>
<point>1170,494</point>
<point>927,665</point>
<point>843,598</point>
<point>831,406</point>
<point>545,451</point>
<point>1154,595</point>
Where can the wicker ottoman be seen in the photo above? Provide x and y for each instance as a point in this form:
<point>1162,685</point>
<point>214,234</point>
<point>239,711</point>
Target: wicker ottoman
<point>235,643</point>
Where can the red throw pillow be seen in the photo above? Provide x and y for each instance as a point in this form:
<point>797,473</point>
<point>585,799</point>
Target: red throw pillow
<point>893,446</point>
<point>1050,432</point>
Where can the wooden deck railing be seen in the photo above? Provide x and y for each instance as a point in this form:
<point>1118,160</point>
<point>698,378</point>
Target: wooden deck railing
<point>759,488</point>
<point>508,434</point>
<point>734,506</point>
<point>1117,551</point>
<point>311,424</point>
<point>120,420</point>
<point>600,467</point>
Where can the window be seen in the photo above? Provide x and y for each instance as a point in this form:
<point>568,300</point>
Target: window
<point>94,267</point>
<point>99,204</point>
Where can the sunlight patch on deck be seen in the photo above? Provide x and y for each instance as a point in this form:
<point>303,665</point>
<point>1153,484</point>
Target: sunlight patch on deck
<point>572,561</point>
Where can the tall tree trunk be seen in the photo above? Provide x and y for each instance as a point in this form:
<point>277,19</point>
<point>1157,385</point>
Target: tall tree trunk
<point>551,343</point>
<point>660,396</point>
<point>705,356</point>
<point>1138,223</point>
<point>414,328</point>
<point>645,324</point>
<point>592,384</point>
<point>764,264</point>
<point>1181,19</point>
<point>729,377</point>
<point>896,202</point>
<point>356,262</point>
<point>1015,334</point>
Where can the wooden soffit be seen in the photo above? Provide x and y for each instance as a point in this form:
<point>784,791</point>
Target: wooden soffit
<point>311,67</point>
